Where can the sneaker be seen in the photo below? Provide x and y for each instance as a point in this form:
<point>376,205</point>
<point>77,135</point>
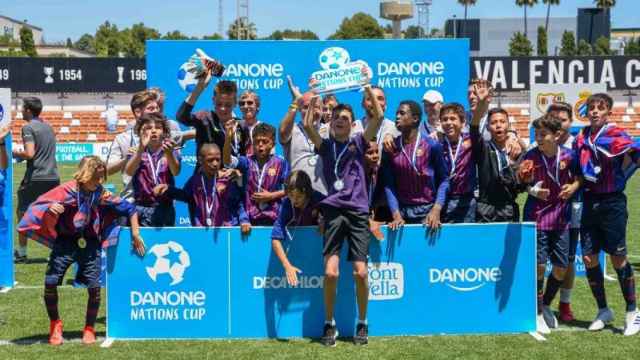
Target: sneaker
<point>88,335</point>
<point>329,335</point>
<point>541,325</point>
<point>19,259</point>
<point>604,317</point>
<point>566,315</point>
<point>55,332</point>
<point>632,323</point>
<point>549,317</point>
<point>362,334</point>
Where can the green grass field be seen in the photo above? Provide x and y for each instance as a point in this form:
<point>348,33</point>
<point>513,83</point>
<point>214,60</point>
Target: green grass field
<point>23,321</point>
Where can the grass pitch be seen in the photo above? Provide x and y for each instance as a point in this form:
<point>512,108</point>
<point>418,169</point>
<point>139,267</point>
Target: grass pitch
<point>24,324</point>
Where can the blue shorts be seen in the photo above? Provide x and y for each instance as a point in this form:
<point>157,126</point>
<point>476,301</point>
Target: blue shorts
<point>65,252</point>
<point>553,245</point>
<point>460,209</point>
<point>604,224</point>
<point>574,236</point>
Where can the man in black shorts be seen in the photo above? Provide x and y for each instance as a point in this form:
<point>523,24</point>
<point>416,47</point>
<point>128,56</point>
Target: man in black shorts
<point>41,174</point>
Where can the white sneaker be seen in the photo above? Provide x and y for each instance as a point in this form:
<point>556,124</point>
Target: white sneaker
<point>604,317</point>
<point>549,317</point>
<point>541,325</point>
<point>632,323</point>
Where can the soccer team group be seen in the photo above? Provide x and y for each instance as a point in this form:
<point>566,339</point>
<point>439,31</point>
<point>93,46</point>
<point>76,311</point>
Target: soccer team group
<point>345,175</point>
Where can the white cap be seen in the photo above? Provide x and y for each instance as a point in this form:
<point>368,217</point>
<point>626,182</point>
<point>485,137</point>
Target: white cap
<point>432,96</point>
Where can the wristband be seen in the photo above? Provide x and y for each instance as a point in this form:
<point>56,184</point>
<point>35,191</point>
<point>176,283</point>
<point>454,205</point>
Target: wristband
<point>293,106</point>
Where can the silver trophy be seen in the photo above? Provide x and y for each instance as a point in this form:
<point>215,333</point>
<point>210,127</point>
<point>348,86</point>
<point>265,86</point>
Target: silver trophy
<point>48,71</point>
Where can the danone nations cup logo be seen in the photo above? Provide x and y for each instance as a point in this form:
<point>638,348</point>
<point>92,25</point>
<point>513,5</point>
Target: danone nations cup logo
<point>172,259</point>
<point>338,72</point>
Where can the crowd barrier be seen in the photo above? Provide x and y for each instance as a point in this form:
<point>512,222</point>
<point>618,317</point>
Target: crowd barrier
<point>216,283</point>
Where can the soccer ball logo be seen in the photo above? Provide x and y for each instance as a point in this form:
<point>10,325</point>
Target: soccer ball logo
<point>186,79</point>
<point>164,266</point>
<point>334,58</point>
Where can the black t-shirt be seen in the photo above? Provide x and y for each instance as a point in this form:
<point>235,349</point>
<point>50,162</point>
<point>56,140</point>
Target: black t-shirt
<point>209,129</point>
<point>496,187</point>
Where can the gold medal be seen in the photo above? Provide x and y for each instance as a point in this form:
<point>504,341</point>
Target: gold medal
<point>82,243</point>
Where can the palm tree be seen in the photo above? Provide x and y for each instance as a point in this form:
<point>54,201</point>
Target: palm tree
<point>526,4</point>
<point>606,5</point>
<point>466,4</point>
<point>549,3</point>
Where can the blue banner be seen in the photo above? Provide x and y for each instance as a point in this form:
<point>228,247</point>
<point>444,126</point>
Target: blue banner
<point>405,69</point>
<point>6,222</point>
<point>214,283</point>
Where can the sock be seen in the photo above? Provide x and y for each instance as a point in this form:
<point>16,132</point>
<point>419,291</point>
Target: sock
<point>596,282</point>
<point>332,322</point>
<point>364,322</point>
<point>93,304</point>
<point>540,293</point>
<point>553,285</point>
<point>51,301</point>
<point>627,285</point>
<point>565,296</point>
<point>22,250</point>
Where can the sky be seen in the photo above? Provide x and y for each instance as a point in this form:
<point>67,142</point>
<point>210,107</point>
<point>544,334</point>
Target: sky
<point>62,19</point>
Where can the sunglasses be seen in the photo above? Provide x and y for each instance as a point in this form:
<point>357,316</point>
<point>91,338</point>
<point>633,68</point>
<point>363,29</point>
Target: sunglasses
<point>248,103</point>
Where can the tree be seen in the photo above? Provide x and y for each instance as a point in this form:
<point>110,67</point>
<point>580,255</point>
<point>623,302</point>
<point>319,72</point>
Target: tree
<point>632,48</point>
<point>69,43</point>
<point>175,35</point>
<point>584,48</point>
<point>8,41</point>
<point>27,45</point>
<point>109,41</point>
<point>292,34</point>
<point>542,41</point>
<point>525,4</point>
<point>549,3</point>
<point>466,4</point>
<point>359,26</point>
<point>214,36</point>
<point>85,43</point>
<point>414,32</point>
<point>606,5</point>
<point>520,45</point>
<point>242,27</point>
<point>135,39</point>
<point>568,44</point>
<point>601,47</point>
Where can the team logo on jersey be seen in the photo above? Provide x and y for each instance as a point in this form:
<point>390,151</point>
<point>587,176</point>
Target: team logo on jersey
<point>272,171</point>
<point>563,165</point>
<point>466,143</point>
<point>419,152</point>
<point>220,187</point>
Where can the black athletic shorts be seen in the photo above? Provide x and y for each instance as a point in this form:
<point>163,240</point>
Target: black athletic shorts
<point>30,191</point>
<point>341,224</point>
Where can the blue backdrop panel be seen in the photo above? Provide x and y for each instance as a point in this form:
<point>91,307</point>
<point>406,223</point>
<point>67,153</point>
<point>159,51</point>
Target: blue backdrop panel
<point>189,304</point>
<point>418,284</point>
<point>6,223</point>
<point>405,69</point>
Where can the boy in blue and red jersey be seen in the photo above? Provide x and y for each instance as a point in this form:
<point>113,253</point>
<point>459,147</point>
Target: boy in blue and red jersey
<point>213,197</point>
<point>264,174</point>
<point>415,174</point>
<point>551,169</point>
<point>605,153</point>
<point>346,208</point>
<point>461,203</point>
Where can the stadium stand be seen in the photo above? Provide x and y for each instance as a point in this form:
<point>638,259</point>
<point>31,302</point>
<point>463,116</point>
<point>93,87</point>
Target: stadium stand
<point>84,126</point>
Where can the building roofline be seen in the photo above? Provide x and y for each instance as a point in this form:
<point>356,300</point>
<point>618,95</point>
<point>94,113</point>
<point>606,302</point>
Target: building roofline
<point>21,22</point>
